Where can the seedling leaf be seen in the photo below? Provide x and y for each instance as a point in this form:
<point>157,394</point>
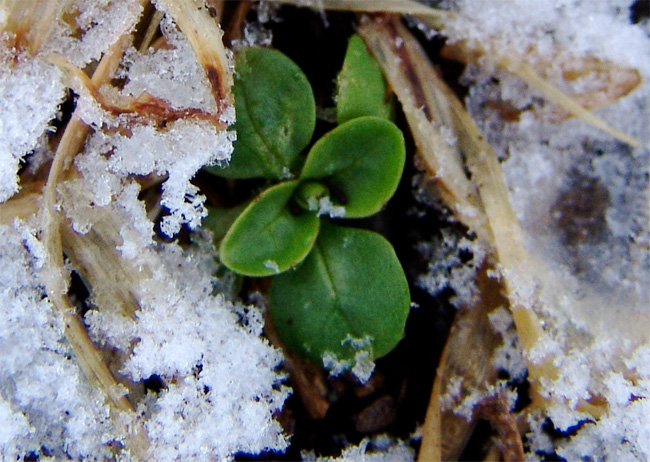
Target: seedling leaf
<point>361,161</point>
<point>361,87</point>
<point>349,294</point>
<point>267,238</point>
<point>219,220</point>
<point>276,115</point>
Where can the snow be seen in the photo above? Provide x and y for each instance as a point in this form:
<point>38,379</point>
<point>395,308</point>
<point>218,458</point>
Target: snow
<point>166,73</point>
<point>44,399</point>
<point>361,366</point>
<point>14,430</point>
<point>507,357</point>
<point>582,199</point>
<point>272,265</point>
<point>218,374</point>
<point>220,379</point>
<point>447,268</point>
<point>378,449</point>
<point>257,33</point>
<point>576,27</point>
<point>97,25</point>
<point>184,159</point>
<point>30,91</point>
<point>324,207</point>
<point>174,76</point>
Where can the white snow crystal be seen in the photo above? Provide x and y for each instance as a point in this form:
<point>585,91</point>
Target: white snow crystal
<point>362,366</point>
<point>582,200</point>
<point>179,153</point>
<point>271,265</point>
<point>168,74</point>
<point>220,378</point>
<point>446,268</point>
<point>377,449</point>
<point>97,25</point>
<point>45,401</point>
<point>30,91</point>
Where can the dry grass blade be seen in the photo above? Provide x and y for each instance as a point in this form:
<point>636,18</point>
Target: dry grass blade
<point>410,7</point>
<point>607,81</point>
<point>235,25</point>
<point>111,280</point>
<point>30,22</point>
<point>142,109</point>
<point>502,232</point>
<point>519,270</point>
<point>496,410</point>
<point>152,30</point>
<point>467,356</point>
<point>522,276</point>
<point>88,355</point>
<point>22,205</point>
<point>530,76</point>
<point>429,117</point>
<point>112,283</point>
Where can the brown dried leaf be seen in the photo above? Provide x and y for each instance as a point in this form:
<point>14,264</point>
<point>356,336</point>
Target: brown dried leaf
<point>607,81</point>
<point>205,37</point>
<point>468,355</point>
<point>428,114</point>
<point>496,410</point>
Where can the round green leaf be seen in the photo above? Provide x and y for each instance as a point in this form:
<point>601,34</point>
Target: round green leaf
<point>349,294</point>
<point>276,115</point>
<point>219,220</point>
<point>361,162</point>
<point>361,87</point>
<point>267,238</point>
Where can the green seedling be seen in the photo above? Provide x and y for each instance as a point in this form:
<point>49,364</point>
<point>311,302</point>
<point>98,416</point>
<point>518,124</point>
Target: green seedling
<point>276,115</point>
<point>361,88</point>
<point>336,290</point>
<point>268,238</point>
<point>350,286</point>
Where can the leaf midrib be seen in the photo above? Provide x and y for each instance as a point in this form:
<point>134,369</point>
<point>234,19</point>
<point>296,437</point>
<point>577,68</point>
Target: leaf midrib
<point>257,130</point>
<point>332,286</point>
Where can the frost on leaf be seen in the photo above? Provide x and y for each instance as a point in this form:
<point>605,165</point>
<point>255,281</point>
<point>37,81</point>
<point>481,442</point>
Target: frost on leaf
<point>361,366</point>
